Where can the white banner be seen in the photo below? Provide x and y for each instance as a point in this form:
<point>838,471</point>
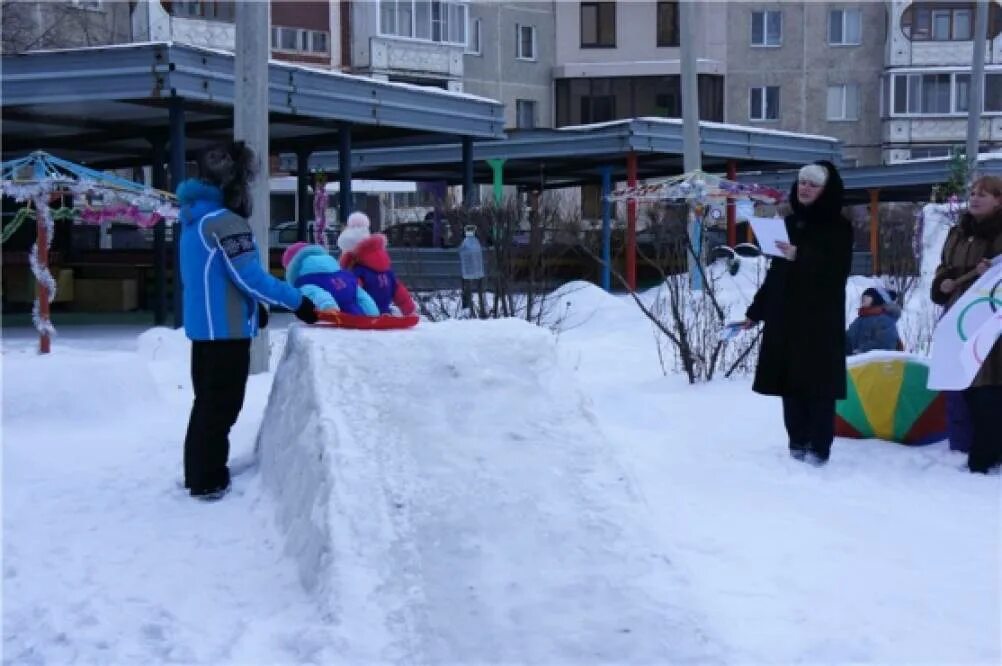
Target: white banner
<point>966,334</point>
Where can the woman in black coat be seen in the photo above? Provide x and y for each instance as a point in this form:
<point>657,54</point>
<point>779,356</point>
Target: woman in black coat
<point>802,304</point>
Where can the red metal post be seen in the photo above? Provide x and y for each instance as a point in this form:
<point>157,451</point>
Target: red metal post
<point>631,223</point>
<point>732,227</point>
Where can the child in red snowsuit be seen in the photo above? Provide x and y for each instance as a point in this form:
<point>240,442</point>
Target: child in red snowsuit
<point>365,255</point>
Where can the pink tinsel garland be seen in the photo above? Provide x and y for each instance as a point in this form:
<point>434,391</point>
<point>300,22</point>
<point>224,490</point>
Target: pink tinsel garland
<point>119,212</point>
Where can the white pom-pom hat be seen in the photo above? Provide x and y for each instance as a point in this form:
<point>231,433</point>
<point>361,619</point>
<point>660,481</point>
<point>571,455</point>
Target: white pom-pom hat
<point>355,231</point>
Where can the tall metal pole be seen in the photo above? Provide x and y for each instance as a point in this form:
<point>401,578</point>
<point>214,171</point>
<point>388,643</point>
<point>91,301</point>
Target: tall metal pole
<point>975,103</point>
<point>250,124</point>
<point>690,126</point>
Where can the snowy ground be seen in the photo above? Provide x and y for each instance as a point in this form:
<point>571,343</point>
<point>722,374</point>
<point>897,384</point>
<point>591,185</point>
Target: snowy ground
<point>888,555</point>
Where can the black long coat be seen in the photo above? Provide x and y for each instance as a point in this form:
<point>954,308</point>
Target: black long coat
<point>802,302</point>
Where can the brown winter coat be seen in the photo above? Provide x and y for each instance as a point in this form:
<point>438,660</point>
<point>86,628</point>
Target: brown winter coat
<point>802,303</point>
<point>967,244</point>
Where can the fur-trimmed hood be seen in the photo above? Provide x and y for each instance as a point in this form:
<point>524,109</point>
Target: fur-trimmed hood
<point>370,252</point>
<point>829,205</point>
<point>198,199</point>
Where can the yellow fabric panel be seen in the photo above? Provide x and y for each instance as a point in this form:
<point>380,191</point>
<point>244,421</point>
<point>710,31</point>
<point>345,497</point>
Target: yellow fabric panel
<point>878,385</point>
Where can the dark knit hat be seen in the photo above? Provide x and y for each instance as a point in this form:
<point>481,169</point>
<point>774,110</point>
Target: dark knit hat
<point>880,296</point>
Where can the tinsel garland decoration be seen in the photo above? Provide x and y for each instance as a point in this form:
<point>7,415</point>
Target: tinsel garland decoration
<point>35,179</point>
<point>320,208</point>
<point>41,271</point>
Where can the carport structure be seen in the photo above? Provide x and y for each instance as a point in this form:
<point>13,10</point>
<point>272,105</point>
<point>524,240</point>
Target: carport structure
<point>145,104</point>
<point>905,181</point>
<point>630,150</point>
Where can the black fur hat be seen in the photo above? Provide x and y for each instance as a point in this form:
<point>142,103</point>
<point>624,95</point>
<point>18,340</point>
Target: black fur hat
<point>230,166</point>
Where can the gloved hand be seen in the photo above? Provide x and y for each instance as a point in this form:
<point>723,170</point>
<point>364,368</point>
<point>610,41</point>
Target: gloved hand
<point>262,316</point>
<point>307,311</point>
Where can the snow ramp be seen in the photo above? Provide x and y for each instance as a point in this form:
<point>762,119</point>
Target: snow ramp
<point>448,496</point>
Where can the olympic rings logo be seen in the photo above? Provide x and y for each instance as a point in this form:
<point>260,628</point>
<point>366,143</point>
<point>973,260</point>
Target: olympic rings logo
<point>993,302</point>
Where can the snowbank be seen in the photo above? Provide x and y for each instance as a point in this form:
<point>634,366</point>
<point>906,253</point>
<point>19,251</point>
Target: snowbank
<point>448,495</point>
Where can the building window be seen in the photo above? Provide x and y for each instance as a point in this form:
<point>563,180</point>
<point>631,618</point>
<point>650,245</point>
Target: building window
<point>299,40</point>
<point>598,25</point>
<point>941,94</point>
<point>598,109</point>
<point>764,103</point>
<point>668,23</point>
<point>441,21</point>
<point>632,97</point>
<point>843,102</point>
<point>473,45</point>
<point>946,21</point>
<point>844,27</point>
<point>216,10</point>
<point>525,42</point>
<point>767,28</point>
<point>993,93</point>
<point>931,151</point>
<point>87,4</point>
<point>525,114</point>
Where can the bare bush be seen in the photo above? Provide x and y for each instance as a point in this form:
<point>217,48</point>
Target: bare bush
<point>687,322</point>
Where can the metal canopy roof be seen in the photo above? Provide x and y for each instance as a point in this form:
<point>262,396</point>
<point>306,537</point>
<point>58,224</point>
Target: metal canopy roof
<point>102,105</point>
<point>574,155</point>
<point>905,181</point>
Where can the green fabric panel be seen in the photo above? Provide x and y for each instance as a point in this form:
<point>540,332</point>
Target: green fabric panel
<point>913,399</point>
<point>851,409</point>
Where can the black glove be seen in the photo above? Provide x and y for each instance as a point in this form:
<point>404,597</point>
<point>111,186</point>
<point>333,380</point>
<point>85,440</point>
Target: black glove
<point>262,316</point>
<point>307,311</point>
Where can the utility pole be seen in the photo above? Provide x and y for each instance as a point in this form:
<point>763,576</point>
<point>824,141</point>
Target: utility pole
<point>975,103</point>
<point>250,124</point>
<point>690,129</point>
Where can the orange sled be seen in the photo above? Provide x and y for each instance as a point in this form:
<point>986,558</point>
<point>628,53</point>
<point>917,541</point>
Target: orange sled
<point>339,319</point>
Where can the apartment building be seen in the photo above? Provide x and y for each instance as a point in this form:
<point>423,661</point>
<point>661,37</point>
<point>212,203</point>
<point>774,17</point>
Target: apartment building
<point>29,26</point>
<point>926,82</point>
<point>510,56</point>
<point>809,67</point>
<point>623,59</point>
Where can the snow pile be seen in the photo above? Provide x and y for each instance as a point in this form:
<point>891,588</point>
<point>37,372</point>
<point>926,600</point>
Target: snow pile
<point>448,494</point>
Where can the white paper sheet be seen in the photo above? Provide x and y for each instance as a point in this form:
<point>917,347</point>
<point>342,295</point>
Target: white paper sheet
<point>769,231</point>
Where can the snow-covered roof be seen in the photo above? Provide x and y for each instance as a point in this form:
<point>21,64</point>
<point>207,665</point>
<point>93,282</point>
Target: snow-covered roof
<point>702,123</point>
<point>272,61</point>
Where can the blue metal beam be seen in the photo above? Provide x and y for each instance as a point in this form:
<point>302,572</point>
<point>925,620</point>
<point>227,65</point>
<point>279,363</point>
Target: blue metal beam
<point>153,71</point>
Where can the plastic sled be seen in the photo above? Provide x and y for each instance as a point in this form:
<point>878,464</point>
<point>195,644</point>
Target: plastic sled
<point>340,319</point>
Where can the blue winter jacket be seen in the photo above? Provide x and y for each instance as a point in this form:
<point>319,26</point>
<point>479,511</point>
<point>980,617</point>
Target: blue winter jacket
<point>221,271</point>
<point>874,328</point>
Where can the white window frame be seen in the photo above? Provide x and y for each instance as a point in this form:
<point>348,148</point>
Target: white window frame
<point>763,110</point>
<point>518,42</point>
<point>891,111</point>
<point>765,29</point>
<point>844,112</point>
<point>844,13</point>
<point>474,37</point>
<point>453,9</point>
<point>302,34</point>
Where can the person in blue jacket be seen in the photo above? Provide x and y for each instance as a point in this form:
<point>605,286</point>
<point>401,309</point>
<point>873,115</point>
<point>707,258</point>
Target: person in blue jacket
<point>224,286</point>
<point>876,327</point>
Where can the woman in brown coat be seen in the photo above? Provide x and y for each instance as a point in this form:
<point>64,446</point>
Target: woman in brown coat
<point>967,254</point>
<point>802,304</point>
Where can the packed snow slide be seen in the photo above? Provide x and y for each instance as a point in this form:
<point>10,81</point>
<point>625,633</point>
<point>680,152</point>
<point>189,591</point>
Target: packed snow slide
<point>448,496</point>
